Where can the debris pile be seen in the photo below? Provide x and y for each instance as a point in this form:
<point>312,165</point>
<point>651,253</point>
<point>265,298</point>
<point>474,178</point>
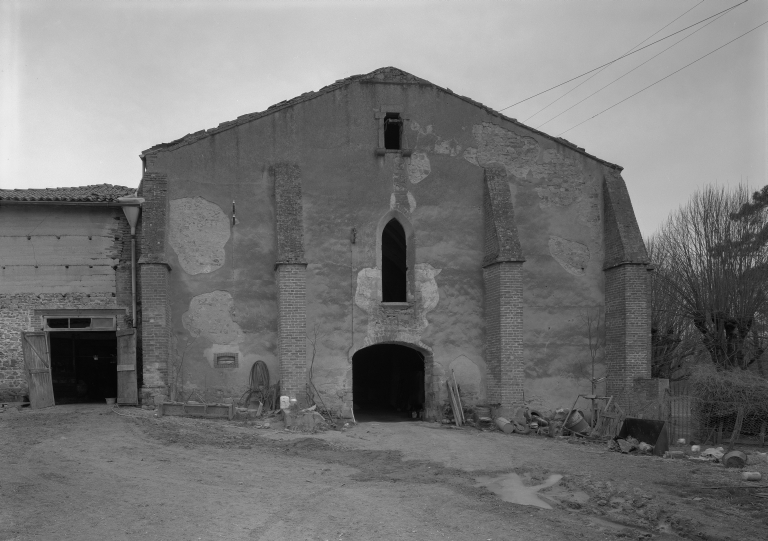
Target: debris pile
<point>630,445</point>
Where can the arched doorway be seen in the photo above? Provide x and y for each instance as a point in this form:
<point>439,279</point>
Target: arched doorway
<point>388,383</point>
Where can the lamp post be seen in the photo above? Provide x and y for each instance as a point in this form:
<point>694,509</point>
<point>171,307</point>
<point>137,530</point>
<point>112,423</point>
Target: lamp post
<point>131,208</point>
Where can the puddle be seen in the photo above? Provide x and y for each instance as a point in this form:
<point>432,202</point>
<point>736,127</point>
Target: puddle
<point>511,489</point>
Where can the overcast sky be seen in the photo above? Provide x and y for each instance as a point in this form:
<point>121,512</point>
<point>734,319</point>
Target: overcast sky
<point>86,86</point>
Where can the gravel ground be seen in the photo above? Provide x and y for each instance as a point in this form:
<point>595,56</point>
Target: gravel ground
<point>95,472</point>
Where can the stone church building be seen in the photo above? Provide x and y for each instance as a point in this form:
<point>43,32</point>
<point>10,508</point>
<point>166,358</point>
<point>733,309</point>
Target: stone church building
<point>374,238</point>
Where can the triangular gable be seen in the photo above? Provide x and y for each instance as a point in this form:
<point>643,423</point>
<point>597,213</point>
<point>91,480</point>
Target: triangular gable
<point>386,75</point>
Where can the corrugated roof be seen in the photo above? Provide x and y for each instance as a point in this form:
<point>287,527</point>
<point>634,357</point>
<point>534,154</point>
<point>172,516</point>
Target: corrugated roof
<point>385,75</point>
<point>96,193</point>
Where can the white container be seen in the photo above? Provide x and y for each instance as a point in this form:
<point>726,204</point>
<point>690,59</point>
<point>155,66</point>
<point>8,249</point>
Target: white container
<point>751,475</point>
<point>294,402</point>
<point>285,402</point>
<point>695,448</point>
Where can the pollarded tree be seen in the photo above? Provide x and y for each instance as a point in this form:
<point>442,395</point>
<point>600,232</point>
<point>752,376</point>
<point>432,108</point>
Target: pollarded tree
<point>712,270</point>
<point>673,338</point>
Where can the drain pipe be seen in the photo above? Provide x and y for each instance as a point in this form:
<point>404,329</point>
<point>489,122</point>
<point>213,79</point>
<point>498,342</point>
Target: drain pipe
<point>131,209</point>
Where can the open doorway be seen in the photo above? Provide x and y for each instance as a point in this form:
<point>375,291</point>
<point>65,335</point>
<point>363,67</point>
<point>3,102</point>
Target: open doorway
<point>83,366</point>
<point>388,383</point>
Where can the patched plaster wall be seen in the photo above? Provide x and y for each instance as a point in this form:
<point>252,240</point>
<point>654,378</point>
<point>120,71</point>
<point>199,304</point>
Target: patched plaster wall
<point>210,315</point>
<point>572,255</point>
<point>199,230</point>
<point>346,189</point>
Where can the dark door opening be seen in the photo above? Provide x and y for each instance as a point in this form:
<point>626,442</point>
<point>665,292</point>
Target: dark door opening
<point>393,263</point>
<point>83,366</point>
<point>387,383</point>
<point>393,131</point>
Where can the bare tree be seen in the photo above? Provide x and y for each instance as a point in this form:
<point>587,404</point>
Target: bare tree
<point>711,275</point>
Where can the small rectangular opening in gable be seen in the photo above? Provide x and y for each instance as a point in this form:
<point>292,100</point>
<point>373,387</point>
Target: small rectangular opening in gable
<point>393,129</point>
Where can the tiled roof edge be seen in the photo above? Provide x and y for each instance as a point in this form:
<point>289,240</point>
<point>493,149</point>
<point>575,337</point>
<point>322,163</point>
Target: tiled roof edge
<point>94,193</point>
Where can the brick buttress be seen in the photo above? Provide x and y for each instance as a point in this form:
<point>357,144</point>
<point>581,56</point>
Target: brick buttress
<point>291,280</point>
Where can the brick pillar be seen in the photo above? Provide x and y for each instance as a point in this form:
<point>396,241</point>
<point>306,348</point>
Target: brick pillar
<point>503,303</point>
<point>627,327</point>
<point>504,333</point>
<point>292,328</point>
<point>291,279</point>
<point>154,310</point>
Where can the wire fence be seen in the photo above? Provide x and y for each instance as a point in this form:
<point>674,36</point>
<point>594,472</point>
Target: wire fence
<point>715,422</point>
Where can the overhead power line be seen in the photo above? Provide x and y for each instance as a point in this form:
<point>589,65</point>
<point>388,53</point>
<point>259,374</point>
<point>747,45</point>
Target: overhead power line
<point>663,78</point>
<point>585,81</point>
<point>630,71</point>
<point>623,56</point>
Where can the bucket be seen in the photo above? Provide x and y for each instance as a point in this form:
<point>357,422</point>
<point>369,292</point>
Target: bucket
<point>576,423</point>
<point>110,401</point>
<point>285,402</point>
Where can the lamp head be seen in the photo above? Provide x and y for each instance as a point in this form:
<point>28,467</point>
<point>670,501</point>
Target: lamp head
<point>131,209</point>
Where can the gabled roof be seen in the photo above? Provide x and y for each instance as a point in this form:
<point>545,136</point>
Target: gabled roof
<point>97,193</point>
<point>388,75</point>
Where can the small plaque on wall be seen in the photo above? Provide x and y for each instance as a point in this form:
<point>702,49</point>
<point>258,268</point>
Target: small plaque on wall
<point>225,360</point>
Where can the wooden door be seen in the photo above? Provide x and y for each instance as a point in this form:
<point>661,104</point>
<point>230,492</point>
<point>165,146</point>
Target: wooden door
<point>38,364</point>
<point>127,386</point>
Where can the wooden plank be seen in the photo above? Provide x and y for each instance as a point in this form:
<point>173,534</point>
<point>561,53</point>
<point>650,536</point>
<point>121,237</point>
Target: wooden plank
<point>57,279</point>
<point>49,250</point>
<point>456,418</point>
<point>127,384</point>
<point>35,348</point>
<point>458,398</point>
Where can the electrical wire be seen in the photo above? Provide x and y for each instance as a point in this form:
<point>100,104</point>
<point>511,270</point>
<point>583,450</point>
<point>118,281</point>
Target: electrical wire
<point>663,78</point>
<point>603,68</point>
<point>624,56</point>
<point>630,71</point>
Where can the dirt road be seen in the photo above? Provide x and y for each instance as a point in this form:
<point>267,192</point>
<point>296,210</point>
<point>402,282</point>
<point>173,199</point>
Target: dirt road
<point>83,472</point>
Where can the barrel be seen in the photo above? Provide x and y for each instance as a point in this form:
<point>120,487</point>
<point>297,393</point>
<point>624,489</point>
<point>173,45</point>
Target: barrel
<point>576,423</point>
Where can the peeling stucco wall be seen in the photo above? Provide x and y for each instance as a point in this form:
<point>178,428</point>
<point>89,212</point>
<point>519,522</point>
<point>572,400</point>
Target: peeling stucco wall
<point>211,315</point>
<point>400,324</point>
<point>573,256</point>
<point>346,189</point>
<point>418,167</point>
<point>198,233</point>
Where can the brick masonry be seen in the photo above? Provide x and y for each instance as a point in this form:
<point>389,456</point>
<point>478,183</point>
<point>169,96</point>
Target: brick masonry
<point>290,275</point>
<point>155,309</point>
<point>504,333</point>
<point>292,328</point>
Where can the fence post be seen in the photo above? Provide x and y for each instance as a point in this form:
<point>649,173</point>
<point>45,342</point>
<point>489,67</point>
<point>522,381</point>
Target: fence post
<point>736,427</point>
